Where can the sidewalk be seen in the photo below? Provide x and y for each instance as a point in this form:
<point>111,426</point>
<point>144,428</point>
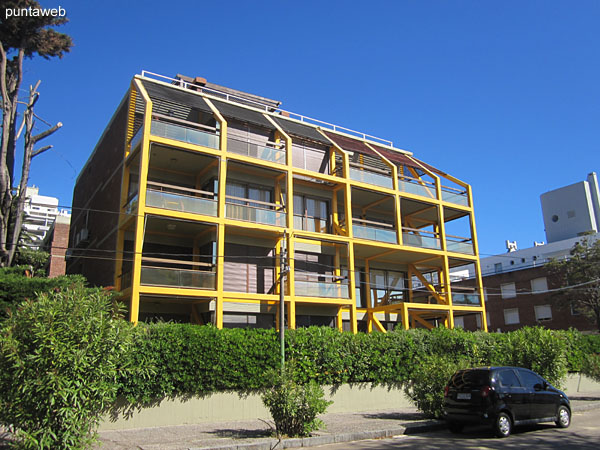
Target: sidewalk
<point>257,435</point>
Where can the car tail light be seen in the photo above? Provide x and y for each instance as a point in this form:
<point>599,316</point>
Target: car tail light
<point>446,390</point>
<point>485,391</point>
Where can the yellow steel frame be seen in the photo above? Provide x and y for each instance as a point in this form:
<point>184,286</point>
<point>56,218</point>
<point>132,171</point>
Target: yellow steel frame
<point>408,311</point>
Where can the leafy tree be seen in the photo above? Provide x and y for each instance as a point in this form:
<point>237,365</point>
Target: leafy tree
<point>21,37</point>
<point>580,276</point>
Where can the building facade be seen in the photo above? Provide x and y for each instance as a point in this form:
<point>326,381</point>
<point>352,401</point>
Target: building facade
<point>56,243</point>
<point>199,203</point>
<point>519,292</point>
<point>40,212</point>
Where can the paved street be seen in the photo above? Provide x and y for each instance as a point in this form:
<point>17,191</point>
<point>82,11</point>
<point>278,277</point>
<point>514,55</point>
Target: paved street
<point>584,433</point>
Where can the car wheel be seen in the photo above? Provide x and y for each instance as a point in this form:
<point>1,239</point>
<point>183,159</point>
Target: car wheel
<point>503,425</point>
<point>563,417</point>
<point>455,427</point>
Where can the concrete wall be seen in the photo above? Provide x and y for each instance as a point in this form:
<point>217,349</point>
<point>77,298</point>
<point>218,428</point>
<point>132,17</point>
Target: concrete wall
<point>232,406</point>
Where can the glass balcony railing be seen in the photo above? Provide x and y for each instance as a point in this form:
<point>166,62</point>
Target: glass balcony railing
<point>184,134</point>
<point>321,289</point>
<point>184,278</point>
<point>421,240</point>
<point>374,233</point>
<point>465,246</point>
<point>273,152</point>
<point>313,224</point>
<point>255,214</point>
<point>413,186</point>
<point>366,176</point>
<point>131,206</point>
<point>137,138</point>
<point>456,197</point>
<point>125,280</point>
<point>181,202</point>
<point>465,299</point>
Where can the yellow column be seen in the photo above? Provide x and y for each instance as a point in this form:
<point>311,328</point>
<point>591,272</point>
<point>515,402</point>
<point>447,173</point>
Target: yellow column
<point>292,290</point>
<point>221,236</point>
<point>369,296</point>
<point>140,220</point>
<point>351,291</point>
<point>484,324</point>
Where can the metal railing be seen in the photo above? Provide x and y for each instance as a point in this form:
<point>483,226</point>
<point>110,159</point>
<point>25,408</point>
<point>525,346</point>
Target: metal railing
<point>370,177</point>
<point>268,151</point>
<point>420,238</point>
<point>184,133</point>
<point>265,107</point>
<point>176,198</point>
<point>374,231</point>
<point>248,212</point>
<point>416,186</point>
<point>459,244</point>
<point>325,289</point>
<point>183,278</point>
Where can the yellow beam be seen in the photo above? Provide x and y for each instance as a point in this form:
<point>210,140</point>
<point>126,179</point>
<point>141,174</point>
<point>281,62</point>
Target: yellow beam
<point>421,321</point>
<point>426,283</point>
<point>378,324</point>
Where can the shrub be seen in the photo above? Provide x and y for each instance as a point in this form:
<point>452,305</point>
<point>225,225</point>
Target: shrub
<point>431,374</point>
<point>591,367</point>
<point>538,349</point>
<point>60,357</point>
<point>293,406</point>
<point>16,287</point>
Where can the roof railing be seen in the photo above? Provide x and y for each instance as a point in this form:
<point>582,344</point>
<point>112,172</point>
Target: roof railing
<point>265,107</point>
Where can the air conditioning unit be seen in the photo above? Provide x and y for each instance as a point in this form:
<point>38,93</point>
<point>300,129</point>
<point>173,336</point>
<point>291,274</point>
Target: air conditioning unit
<point>82,237</point>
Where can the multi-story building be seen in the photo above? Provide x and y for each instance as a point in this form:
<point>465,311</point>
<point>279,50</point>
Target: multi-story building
<point>519,291</point>
<point>56,243</point>
<point>40,212</point>
<point>195,193</point>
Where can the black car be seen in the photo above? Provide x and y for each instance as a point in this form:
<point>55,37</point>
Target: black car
<point>503,397</point>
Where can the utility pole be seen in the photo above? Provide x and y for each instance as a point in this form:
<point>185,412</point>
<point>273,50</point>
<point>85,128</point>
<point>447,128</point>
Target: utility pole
<point>282,274</point>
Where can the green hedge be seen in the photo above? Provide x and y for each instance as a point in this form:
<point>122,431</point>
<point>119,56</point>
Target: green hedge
<point>198,360</point>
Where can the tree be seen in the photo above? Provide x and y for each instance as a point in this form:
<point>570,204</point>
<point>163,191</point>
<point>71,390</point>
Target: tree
<point>579,275</point>
<point>21,37</point>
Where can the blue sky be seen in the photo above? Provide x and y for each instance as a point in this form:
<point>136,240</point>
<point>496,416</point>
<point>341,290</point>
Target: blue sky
<point>504,95</point>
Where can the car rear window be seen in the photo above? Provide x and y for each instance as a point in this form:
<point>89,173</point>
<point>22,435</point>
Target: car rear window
<point>469,378</point>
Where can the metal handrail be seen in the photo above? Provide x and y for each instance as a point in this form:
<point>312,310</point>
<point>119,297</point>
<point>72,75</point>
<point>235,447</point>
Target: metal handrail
<point>268,108</point>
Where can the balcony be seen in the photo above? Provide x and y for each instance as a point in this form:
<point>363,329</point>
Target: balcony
<point>255,211</point>
<point>267,151</point>
<point>459,244</point>
<point>158,275</point>
<point>324,289</point>
<point>465,299</point>
<point>176,198</point>
<point>184,131</point>
<point>132,203</point>
<point>455,196</point>
<point>370,176</point>
<point>420,238</point>
<point>374,231</point>
<point>416,186</point>
<point>135,140</point>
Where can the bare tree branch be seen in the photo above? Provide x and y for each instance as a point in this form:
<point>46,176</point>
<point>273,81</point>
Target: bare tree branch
<point>44,134</point>
<point>40,151</point>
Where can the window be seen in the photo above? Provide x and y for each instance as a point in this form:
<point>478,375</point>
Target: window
<point>543,312</point>
<point>539,285</point>
<point>529,379</point>
<point>498,267</point>
<point>459,322</point>
<point>478,321</point>
<point>508,378</point>
<point>509,290</point>
<point>387,286</point>
<point>311,214</point>
<point>570,214</point>
<point>575,311</point>
<point>511,316</point>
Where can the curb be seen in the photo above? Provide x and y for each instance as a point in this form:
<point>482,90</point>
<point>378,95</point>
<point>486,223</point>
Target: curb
<point>422,426</point>
<point>313,441</point>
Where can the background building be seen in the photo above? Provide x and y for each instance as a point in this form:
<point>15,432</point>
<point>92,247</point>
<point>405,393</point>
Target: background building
<point>40,212</point>
<point>56,243</point>
<point>517,289</point>
<point>195,193</point>
<point>572,210</point>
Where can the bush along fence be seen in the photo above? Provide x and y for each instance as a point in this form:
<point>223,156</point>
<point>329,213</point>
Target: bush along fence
<point>71,349</point>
